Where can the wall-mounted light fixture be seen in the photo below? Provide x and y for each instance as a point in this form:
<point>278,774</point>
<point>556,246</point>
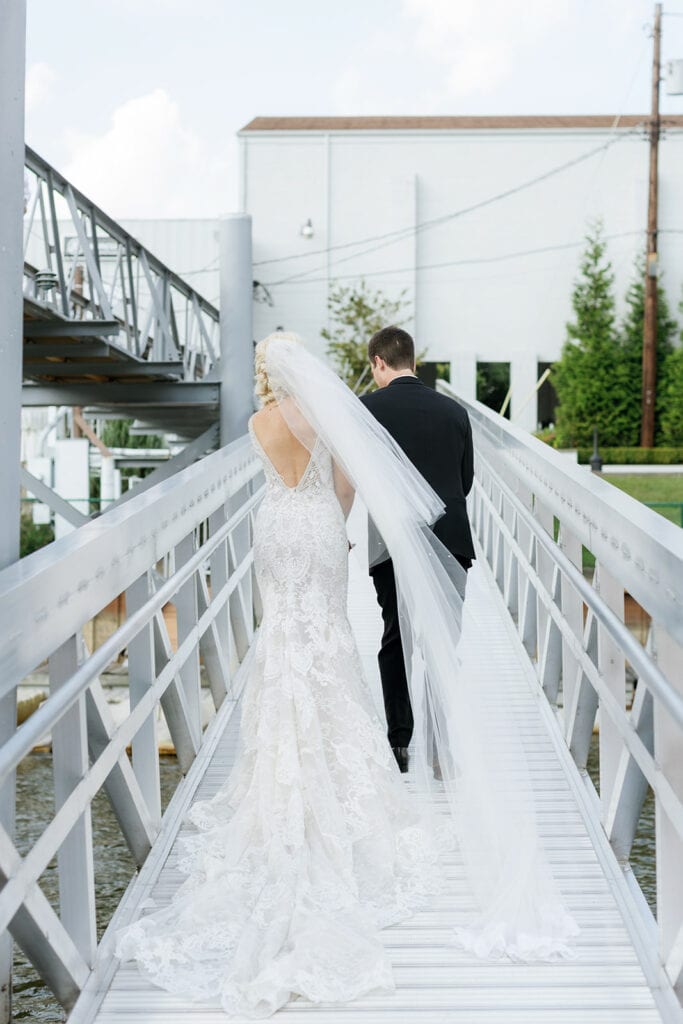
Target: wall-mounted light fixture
<point>307,229</point>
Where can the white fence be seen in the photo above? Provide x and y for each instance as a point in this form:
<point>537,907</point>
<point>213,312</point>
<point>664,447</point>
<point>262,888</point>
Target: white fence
<point>186,542</point>
<point>534,511</point>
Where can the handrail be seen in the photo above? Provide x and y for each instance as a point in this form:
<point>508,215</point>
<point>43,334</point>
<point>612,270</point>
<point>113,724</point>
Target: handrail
<point>578,644</point>
<point>630,540</point>
<point>40,166</point>
<point>161,317</point>
<point>196,527</point>
<point>52,709</point>
<point>646,668</point>
<point>40,602</point>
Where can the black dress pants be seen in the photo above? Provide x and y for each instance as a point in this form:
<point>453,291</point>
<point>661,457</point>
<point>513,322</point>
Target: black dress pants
<point>392,668</point>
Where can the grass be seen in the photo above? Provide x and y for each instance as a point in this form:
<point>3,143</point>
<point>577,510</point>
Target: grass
<point>647,487</point>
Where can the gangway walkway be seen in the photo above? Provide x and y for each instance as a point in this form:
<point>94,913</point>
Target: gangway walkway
<point>606,984</point>
<point>185,547</point>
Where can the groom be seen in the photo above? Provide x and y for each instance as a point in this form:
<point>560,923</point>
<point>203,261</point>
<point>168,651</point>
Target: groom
<point>434,432</point>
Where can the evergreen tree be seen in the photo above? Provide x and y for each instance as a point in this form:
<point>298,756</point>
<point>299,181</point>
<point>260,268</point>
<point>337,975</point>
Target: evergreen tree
<point>356,313</point>
<point>632,346</point>
<point>590,378</point>
<point>670,391</point>
<point>116,434</point>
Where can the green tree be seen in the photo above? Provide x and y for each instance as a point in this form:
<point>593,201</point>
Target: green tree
<point>671,393</point>
<point>33,535</point>
<point>632,346</point>
<point>591,378</point>
<point>356,312</point>
<point>116,434</point>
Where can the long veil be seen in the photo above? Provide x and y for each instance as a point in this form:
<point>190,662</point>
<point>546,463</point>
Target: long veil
<point>460,705</point>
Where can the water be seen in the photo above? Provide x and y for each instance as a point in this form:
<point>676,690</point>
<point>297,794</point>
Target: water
<point>114,865</point>
<point>642,858</point>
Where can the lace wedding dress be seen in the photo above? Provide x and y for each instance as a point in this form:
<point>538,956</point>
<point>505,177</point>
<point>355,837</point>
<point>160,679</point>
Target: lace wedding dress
<point>313,842</point>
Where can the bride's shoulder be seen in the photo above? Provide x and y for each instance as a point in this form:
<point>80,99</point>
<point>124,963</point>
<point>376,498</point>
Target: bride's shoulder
<point>262,419</point>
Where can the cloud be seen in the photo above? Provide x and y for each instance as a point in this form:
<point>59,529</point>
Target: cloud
<point>40,80</point>
<point>455,49</point>
<point>480,46</point>
<point>148,163</point>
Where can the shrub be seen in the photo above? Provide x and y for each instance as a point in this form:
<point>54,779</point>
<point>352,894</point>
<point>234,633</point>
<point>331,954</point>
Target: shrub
<point>635,456</point>
<point>671,391</point>
<point>591,378</point>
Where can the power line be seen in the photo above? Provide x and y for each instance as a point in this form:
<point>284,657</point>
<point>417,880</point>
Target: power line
<point>399,234</point>
<point>500,258</point>
<point>202,270</point>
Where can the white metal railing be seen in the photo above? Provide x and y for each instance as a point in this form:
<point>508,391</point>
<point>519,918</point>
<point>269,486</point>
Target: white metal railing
<point>83,266</point>
<point>533,512</point>
<point>187,542</point>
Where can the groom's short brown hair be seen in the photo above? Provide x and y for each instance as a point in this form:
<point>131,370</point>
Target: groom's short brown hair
<point>395,346</point>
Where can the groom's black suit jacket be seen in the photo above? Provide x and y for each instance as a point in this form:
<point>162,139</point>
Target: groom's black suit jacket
<point>434,431</point>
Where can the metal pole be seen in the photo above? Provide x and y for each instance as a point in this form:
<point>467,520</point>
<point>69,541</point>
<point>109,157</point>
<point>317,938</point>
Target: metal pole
<point>236,395</point>
<point>12,74</point>
<point>647,430</point>
<point>236,326</point>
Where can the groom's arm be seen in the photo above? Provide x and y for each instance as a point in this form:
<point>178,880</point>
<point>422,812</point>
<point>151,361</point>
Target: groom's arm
<point>467,465</point>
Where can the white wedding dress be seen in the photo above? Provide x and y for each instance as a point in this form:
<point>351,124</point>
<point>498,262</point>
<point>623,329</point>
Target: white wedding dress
<point>313,842</point>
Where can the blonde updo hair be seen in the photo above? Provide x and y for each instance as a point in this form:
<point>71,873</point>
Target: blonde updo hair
<point>263,389</point>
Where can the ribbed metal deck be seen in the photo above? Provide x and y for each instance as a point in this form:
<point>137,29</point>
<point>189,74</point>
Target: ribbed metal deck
<point>611,981</point>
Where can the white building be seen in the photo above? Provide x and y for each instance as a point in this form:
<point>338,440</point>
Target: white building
<point>480,219</point>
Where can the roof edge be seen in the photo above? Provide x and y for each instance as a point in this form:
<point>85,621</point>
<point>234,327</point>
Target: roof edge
<point>444,123</point>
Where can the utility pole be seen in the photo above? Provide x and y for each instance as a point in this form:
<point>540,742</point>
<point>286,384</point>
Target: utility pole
<point>647,429</point>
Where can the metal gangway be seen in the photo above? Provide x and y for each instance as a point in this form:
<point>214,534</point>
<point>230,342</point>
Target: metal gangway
<point>562,644</point>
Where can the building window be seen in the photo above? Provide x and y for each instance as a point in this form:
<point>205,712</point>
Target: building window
<point>493,384</point>
<point>547,399</point>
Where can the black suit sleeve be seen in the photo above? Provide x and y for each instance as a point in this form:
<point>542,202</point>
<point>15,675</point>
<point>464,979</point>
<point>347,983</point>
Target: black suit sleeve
<point>467,468</point>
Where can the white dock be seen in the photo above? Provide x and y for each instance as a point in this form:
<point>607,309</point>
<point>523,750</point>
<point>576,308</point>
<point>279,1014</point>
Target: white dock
<point>613,979</point>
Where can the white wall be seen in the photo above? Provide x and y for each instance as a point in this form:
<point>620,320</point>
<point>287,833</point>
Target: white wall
<point>357,184</point>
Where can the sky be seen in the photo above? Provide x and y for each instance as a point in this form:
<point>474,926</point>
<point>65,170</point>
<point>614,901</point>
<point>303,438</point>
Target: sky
<point>138,102</point>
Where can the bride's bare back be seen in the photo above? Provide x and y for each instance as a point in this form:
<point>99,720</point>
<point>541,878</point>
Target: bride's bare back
<point>289,457</point>
<point>286,452</point>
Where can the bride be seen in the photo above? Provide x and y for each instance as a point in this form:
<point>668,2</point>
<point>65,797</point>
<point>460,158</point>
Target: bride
<point>313,843</point>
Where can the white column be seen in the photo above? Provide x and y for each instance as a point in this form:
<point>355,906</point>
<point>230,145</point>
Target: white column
<point>107,482</point>
<point>72,478</point>
<point>12,75</point>
<point>236,326</point>
<point>464,374</point>
<point>523,401</point>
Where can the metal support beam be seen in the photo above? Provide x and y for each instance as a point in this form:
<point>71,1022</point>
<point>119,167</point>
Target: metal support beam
<point>110,368</point>
<point>160,393</point>
<point>236,326</point>
<point>70,350</point>
<point>12,75</point>
<point>206,442</point>
<point>40,490</point>
<point>63,328</point>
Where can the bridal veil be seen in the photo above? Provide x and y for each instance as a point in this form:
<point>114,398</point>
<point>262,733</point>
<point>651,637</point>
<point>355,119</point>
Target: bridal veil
<point>463,718</point>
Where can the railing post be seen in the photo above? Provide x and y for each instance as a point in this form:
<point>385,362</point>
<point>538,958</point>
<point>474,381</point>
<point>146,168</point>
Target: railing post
<point>669,843</point>
<point>548,637</point>
<point>141,675</point>
<point>526,598</point>
<point>186,616</point>
<point>572,610</point>
<point>70,764</point>
<point>612,668</point>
